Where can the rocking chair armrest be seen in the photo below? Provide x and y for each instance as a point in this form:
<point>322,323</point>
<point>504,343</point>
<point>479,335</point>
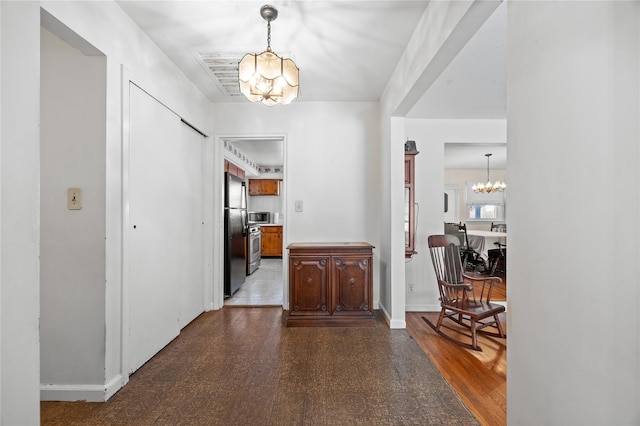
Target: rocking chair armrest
<point>458,286</point>
<point>486,287</point>
<point>483,278</point>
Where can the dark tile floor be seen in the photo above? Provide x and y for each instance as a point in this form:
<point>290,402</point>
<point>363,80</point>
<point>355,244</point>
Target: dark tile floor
<point>244,367</point>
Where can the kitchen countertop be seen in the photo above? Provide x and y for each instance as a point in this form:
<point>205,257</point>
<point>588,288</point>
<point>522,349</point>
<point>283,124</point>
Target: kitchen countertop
<point>270,224</point>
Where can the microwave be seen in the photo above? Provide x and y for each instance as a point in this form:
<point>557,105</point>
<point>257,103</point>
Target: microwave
<point>259,217</point>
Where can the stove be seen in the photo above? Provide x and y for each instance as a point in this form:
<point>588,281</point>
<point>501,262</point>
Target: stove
<point>254,249</point>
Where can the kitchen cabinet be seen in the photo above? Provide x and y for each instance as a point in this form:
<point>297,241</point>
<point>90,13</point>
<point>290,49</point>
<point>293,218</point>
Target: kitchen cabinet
<point>271,240</point>
<point>330,284</point>
<point>233,169</point>
<point>264,186</point>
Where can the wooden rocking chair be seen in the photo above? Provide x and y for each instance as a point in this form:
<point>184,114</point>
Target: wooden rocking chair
<point>464,298</point>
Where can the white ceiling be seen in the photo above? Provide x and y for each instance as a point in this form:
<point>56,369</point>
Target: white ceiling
<point>346,51</point>
<point>472,156</point>
<point>474,85</point>
<point>264,151</point>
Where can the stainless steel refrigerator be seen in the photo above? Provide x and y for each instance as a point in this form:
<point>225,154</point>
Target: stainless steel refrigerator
<point>235,231</point>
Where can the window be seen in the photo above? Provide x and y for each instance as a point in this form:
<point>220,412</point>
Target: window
<point>492,212</point>
<point>485,207</point>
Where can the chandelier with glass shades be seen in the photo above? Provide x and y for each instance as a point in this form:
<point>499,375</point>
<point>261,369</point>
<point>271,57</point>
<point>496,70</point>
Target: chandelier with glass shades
<point>489,187</point>
<point>267,77</point>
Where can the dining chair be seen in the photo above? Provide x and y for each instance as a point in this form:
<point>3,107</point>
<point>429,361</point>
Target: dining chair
<point>457,230</point>
<point>472,261</point>
<point>498,256</point>
<point>498,227</point>
<point>464,298</point>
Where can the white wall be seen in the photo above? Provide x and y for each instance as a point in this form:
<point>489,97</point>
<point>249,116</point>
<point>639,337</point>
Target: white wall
<point>19,213</point>
<point>72,251</point>
<point>430,137</point>
<point>573,144</point>
<point>331,153</point>
<point>130,48</point>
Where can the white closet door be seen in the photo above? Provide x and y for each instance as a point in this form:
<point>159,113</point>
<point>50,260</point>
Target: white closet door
<point>154,218</point>
<point>190,203</point>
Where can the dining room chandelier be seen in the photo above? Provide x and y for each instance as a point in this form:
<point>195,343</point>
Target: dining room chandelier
<point>267,77</point>
<point>489,187</point>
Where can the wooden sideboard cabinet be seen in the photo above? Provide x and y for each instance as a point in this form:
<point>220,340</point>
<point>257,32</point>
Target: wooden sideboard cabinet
<point>271,240</point>
<point>330,284</point>
<point>264,186</point>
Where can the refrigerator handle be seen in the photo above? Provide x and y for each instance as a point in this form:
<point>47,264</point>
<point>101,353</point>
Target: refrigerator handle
<point>243,201</point>
<point>245,223</point>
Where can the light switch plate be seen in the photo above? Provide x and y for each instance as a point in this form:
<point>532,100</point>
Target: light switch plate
<point>298,205</point>
<point>74,198</point>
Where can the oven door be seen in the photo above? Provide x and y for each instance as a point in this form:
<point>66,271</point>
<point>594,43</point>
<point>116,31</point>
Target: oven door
<point>254,250</point>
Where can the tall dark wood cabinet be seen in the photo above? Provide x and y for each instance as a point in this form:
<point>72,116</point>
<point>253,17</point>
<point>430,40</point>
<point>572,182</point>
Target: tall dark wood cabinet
<point>330,284</point>
<point>410,202</point>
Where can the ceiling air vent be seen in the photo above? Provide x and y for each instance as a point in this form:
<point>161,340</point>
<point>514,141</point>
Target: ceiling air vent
<point>222,67</point>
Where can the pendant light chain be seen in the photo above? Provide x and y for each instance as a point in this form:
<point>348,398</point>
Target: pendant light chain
<point>488,155</point>
<point>269,36</point>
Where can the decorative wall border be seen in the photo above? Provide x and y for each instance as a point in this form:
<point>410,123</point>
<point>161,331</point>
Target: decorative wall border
<point>244,158</point>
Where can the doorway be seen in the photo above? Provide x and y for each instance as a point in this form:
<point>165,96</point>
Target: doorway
<point>260,158</point>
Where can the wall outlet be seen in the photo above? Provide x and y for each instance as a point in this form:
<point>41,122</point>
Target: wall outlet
<point>410,288</point>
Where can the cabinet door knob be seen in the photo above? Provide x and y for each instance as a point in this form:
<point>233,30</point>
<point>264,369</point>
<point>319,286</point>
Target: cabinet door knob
<point>352,280</point>
<point>309,280</point>
<point>323,307</point>
<point>338,308</point>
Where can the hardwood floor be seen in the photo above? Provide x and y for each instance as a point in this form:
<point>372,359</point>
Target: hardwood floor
<point>479,378</point>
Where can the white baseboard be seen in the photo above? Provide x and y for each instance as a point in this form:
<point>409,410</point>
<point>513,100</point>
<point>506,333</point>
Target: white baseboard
<point>113,386</point>
<point>393,324</point>
<point>89,393</point>
<point>423,308</point>
<point>397,324</point>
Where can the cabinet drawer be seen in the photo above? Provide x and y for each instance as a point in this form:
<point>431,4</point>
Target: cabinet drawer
<point>271,229</point>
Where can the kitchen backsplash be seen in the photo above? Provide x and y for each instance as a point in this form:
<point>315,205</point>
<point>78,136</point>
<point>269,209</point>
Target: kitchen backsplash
<point>266,203</point>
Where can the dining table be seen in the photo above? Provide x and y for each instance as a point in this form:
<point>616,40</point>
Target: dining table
<point>483,241</point>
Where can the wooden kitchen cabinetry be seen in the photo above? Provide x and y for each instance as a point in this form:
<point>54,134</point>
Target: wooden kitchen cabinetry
<point>330,284</point>
<point>264,186</point>
<point>271,240</point>
<point>233,169</point>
